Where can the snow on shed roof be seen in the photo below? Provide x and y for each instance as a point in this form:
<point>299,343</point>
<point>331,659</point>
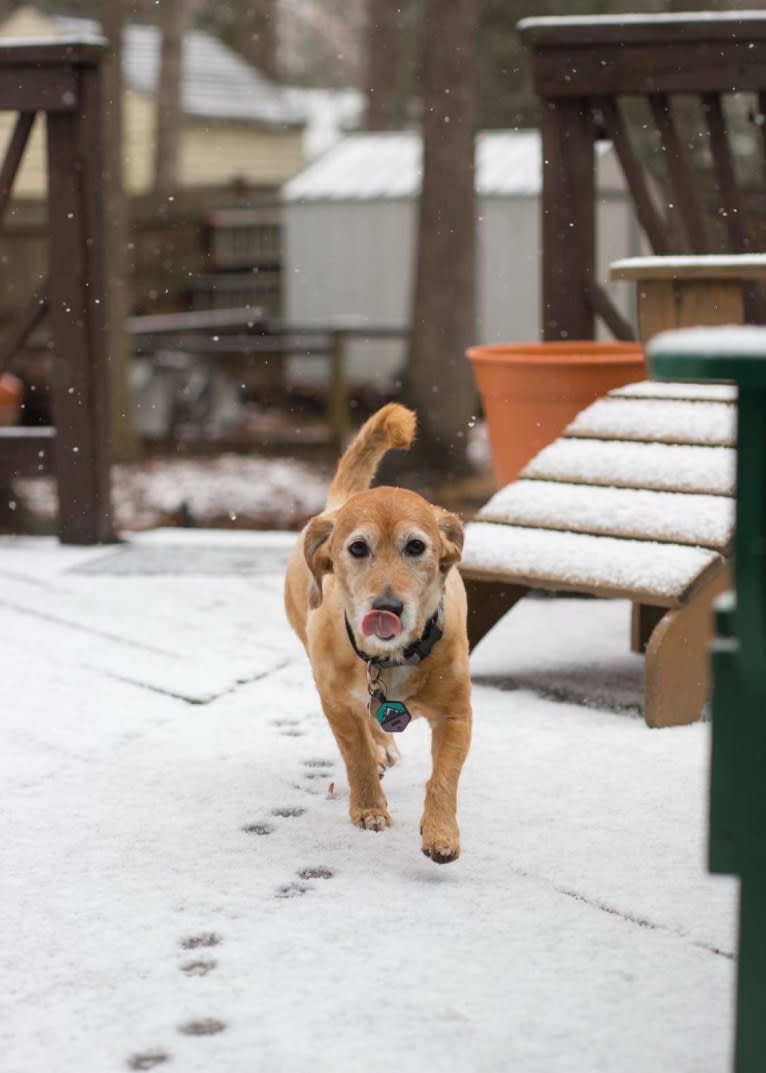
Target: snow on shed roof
<point>217,83</point>
<point>388,165</point>
<point>329,114</point>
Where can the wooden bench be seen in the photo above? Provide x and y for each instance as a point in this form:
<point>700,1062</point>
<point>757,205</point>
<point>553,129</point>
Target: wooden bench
<point>635,502</point>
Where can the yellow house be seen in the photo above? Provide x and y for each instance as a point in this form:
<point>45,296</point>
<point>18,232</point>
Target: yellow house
<point>238,126</point>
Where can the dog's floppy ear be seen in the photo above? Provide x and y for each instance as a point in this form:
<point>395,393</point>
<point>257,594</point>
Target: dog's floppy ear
<point>315,539</point>
<point>451,529</point>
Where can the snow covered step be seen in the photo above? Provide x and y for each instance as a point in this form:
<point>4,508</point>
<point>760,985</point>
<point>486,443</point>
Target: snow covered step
<point>652,389</point>
<point>677,518</point>
<point>655,466</point>
<point>638,570</point>
<point>712,424</point>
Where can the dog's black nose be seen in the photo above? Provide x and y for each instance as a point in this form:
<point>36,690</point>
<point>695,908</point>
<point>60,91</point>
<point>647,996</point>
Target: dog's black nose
<point>388,603</point>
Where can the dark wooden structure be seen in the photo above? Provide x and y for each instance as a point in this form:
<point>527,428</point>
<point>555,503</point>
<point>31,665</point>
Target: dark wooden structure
<point>585,71</point>
<point>62,82</point>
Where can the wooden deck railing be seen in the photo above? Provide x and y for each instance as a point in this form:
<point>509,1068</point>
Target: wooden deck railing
<point>61,82</point>
<point>586,71</point>
<point>223,336</point>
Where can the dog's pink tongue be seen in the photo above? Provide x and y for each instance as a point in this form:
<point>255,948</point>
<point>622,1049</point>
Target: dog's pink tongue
<point>384,624</point>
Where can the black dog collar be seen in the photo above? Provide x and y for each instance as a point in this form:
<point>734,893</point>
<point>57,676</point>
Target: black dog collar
<point>412,655</point>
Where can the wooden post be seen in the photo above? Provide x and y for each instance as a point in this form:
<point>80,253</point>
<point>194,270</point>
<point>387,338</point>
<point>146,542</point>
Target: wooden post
<point>569,240</point>
<point>643,619</point>
<point>78,319</point>
<point>488,601</point>
<point>676,668</point>
<point>124,442</point>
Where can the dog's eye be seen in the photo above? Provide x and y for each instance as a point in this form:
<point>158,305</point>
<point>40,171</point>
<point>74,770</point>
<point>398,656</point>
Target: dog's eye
<point>414,547</point>
<point>359,549</point>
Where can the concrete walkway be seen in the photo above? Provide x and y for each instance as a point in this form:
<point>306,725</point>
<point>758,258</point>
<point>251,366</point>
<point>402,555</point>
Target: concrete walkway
<point>180,889</point>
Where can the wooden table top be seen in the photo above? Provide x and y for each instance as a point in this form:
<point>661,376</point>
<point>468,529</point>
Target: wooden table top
<point>699,266</point>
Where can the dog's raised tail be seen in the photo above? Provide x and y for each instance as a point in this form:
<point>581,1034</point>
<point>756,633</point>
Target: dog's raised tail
<point>391,428</point>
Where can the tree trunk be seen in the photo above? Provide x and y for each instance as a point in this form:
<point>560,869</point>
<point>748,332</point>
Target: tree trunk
<point>257,33</point>
<point>438,380</point>
<point>382,65</point>
<point>174,16</point>
<point>124,445</point>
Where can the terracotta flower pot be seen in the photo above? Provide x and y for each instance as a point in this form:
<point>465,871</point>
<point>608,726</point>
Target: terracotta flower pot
<point>11,392</point>
<point>533,390</point>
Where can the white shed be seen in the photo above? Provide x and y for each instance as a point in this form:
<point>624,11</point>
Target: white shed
<point>350,223</point>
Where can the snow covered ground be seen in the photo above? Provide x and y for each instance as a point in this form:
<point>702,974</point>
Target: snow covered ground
<point>271,492</point>
<point>178,889</point>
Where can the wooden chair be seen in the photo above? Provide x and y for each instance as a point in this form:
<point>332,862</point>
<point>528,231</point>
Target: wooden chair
<point>635,502</point>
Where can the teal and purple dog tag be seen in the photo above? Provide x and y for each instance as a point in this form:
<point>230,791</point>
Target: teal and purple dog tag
<point>393,716</point>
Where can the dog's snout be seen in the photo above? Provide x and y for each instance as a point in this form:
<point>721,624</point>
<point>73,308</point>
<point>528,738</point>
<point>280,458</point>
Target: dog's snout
<point>388,603</point>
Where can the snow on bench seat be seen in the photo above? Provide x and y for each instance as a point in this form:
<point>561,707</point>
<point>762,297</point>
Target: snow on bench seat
<point>639,570</point>
<point>654,466</point>
<point>703,520</point>
<point>712,424</point>
<point>652,389</point>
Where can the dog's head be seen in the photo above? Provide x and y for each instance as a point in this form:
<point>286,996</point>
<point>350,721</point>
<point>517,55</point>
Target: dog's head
<point>390,552</point>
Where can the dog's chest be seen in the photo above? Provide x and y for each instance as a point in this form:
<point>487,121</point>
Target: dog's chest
<point>397,683</point>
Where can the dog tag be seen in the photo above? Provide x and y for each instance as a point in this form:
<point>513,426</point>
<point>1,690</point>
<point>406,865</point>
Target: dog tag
<point>393,716</point>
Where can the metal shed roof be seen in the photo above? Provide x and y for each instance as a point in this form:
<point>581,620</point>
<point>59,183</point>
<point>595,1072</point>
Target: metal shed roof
<point>217,83</point>
<point>366,167</point>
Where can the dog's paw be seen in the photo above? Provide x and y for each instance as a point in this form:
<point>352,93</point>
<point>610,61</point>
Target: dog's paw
<point>392,754</point>
<point>442,845</point>
<point>387,756</point>
<point>371,819</point>
<point>386,750</point>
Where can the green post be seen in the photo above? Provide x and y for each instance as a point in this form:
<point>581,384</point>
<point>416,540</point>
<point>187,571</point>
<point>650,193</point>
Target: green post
<point>738,766</point>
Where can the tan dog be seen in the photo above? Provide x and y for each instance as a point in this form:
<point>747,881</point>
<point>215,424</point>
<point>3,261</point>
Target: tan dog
<point>371,581</point>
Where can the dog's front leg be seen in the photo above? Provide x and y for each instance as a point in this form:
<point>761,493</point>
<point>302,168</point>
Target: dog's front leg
<point>450,738</point>
<point>367,805</point>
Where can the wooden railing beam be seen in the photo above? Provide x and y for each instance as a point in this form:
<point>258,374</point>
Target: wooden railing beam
<point>760,121</point>
<point>26,452</point>
<point>729,196</point>
<point>23,325</point>
<point>13,155</point>
<point>604,307</point>
<point>575,57</point>
<point>680,174</point>
<point>568,225</point>
<point>596,60</point>
<point>730,201</point>
<point>649,216</point>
